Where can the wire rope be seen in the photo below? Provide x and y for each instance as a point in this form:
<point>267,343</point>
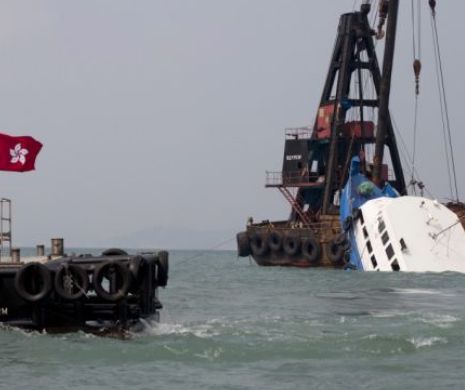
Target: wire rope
<point>416,42</point>
<point>444,99</point>
<point>441,104</point>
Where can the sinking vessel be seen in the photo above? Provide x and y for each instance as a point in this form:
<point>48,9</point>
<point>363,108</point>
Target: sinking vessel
<point>388,232</point>
<point>352,121</point>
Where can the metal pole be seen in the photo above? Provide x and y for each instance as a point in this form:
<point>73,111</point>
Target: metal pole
<point>385,90</point>
<point>40,250</point>
<point>15,255</point>
<point>58,247</point>
<point>346,32</point>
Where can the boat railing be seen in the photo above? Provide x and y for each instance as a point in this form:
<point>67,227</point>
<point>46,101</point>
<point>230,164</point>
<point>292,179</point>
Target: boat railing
<point>293,179</point>
<point>317,227</point>
<point>302,179</point>
<point>298,132</point>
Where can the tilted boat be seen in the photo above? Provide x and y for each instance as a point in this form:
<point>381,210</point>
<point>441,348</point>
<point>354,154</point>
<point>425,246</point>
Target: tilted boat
<point>388,232</point>
<point>319,167</point>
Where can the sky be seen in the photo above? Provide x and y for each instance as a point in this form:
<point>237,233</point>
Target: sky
<point>160,118</point>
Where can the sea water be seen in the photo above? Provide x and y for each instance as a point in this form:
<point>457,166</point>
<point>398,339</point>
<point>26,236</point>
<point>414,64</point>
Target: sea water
<point>229,324</point>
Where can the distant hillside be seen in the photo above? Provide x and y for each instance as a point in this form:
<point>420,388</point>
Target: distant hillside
<point>171,238</point>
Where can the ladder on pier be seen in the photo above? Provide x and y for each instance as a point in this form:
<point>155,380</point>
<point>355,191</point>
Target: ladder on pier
<point>5,228</point>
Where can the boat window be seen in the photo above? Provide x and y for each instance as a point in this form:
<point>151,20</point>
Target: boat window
<point>385,238</point>
<point>369,247</point>
<point>314,168</point>
<point>403,245</point>
<point>362,221</point>
<point>373,261</point>
<point>395,265</point>
<point>381,225</point>
<point>365,233</point>
<point>390,251</point>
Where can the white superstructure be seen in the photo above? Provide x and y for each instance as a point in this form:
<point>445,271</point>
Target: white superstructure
<point>409,233</point>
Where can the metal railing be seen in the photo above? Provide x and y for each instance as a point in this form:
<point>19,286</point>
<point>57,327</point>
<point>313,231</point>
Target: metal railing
<point>5,228</point>
<point>292,179</point>
<point>316,227</point>
<point>298,133</point>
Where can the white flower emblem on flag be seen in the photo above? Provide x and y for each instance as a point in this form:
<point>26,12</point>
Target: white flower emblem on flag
<point>18,154</point>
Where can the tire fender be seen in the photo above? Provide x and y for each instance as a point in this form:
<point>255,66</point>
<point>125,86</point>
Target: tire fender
<point>122,276</point>
<point>335,251</point>
<point>162,268</point>
<point>258,244</point>
<point>275,241</point>
<point>311,250</point>
<point>243,245</point>
<point>291,244</point>
<point>78,276</point>
<point>39,274</point>
<point>114,252</point>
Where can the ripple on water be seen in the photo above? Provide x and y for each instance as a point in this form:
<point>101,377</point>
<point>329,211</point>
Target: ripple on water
<point>228,324</point>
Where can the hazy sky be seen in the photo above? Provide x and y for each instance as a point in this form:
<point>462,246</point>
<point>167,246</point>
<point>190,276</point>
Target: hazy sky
<point>166,114</point>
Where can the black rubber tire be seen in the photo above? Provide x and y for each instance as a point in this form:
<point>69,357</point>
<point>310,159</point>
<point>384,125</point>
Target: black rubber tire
<point>291,244</point>
<point>35,272</point>
<point>275,241</point>
<point>345,245</point>
<point>162,268</point>
<point>258,244</point>
<point>137,271</point>
<point>356,213</point>
<point>334,252</point>
<point>347,224</point>
<point>122,274</point>
<point>243,245</point>
<point>340,239</point>
<point>346,258</point>
<point>311,250</point>
<point>77,273</point>
<point>135,265</point>
<point>114,252</point>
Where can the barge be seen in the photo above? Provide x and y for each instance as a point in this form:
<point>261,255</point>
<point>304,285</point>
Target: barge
<point>112,291</point>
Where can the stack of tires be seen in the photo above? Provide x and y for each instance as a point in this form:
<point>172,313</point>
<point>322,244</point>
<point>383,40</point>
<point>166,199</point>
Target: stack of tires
<point>305,250</point>
<point>113,286</point>
<point>281,243</point>
<point>111,276</point>
<point>337,250</point>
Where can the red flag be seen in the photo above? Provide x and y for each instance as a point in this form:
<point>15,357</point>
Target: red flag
<point>18,153</point>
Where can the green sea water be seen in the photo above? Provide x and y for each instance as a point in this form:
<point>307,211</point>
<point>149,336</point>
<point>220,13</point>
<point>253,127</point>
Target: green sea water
<point>229,324</point>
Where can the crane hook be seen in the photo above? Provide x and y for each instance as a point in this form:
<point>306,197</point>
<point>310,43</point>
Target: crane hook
<point>383,12</point>
<point>417,71</point>
<point>432,4</point>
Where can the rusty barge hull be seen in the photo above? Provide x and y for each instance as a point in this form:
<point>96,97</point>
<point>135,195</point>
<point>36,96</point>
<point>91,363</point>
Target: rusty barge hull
<point>280,244</point>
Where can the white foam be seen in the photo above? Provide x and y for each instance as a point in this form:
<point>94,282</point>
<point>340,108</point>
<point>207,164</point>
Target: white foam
<point>443,321</point>
<point>204,330</point>
<point>422,342</point>
<point>390,313</point>
<point>211,354</point>
<point>420,291</point>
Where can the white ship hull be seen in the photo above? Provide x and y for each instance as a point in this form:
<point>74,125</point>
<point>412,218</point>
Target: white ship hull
<point>408,233</point>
